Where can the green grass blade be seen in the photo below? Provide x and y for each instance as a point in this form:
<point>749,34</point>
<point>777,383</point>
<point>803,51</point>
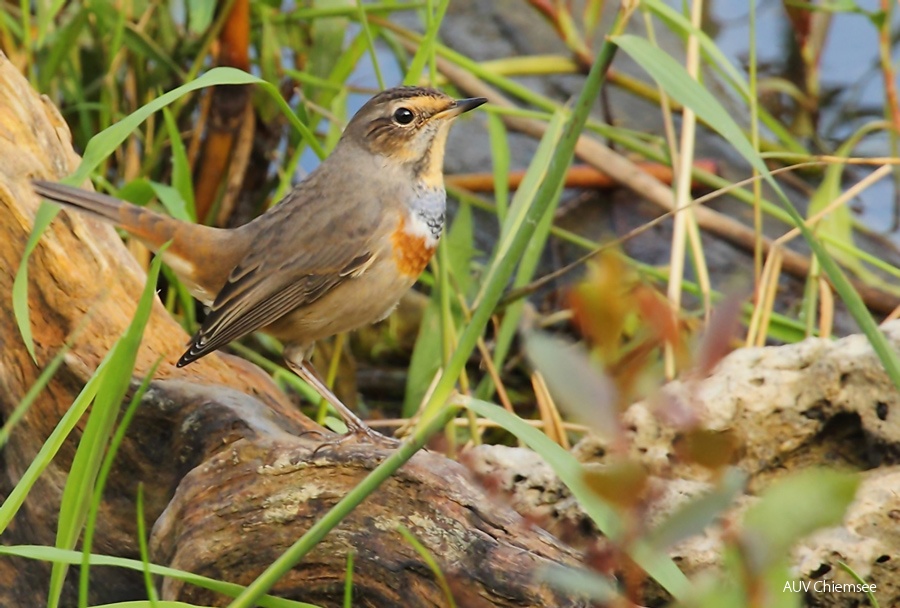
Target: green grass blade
<point>31,395</point>
<point>172,199</point>
<point>181,167</point>
<point>373,54</point>
<point>426,357</point>
<point>142,546</point>
<point>680,24</point>
<point>45,214</point>
<point>105,468</point>
<point>107,141</point>
<point>500,157</point>
<point>115,379</point>
<point>148,604</point>
<point>52,554</point>
<point>870,594</point>
<point>64,40</point>
<point>146,47</point>
<point>327,38</point>
<point>48,450</point>
<point>505,267</point>
<point>302,13</point>
<point>46,13</point>
<point>427,47</point>
<point>525,196</point>
<point>348,582</point>
<point>677,83</point>
<point>432,563</point>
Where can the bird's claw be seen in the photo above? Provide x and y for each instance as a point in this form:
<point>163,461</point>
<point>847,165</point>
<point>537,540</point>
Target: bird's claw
<point>360,434</point>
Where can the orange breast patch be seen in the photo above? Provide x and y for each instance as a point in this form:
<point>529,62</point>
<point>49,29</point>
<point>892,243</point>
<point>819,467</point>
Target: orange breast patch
<point>411,253</point>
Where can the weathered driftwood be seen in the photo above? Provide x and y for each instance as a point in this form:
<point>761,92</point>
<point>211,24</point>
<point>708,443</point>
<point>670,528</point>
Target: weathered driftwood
<point>230,477</point>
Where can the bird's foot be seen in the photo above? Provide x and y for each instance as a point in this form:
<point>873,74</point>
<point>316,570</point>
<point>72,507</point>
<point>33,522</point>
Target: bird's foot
<point>357,434</point>
<point>366,434</point>
<point>357,430</point>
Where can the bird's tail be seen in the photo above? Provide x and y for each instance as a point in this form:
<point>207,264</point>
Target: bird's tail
<point>152,228</point>
<point>201,256</point>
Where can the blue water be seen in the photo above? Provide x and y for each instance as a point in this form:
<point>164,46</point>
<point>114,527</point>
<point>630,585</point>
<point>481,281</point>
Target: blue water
<point>850,73</point>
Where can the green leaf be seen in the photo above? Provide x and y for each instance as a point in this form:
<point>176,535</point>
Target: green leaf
<point>692,518</point>
<point>680,24</point>
<point>586,583</point>
<point>200,15</point>
<point>142,547</point>
<point>656,563</point>
<point>45,214</point>
<point>49,449</point>
<point>792,508</point>
<point>174,202</point>
<point>461,248</point>
<point>870,595</point>
<point>144,46</point>
<point>107,141</point>
<point>581,389</point>
<point>327,39</point>
<point>64,40</point>
<point>432,563</point>
<point>426,357</point>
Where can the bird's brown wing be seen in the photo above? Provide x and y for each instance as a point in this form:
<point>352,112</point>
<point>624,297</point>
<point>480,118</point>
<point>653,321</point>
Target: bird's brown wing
<point>268,284</point>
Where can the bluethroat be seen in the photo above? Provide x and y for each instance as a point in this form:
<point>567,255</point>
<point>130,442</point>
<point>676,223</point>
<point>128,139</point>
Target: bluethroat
<point>336,253</point>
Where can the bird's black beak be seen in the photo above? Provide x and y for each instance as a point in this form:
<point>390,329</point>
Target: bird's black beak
<point>461,106</point>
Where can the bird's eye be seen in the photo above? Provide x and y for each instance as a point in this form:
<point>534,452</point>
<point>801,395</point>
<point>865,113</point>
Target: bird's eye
<point>403,116</point>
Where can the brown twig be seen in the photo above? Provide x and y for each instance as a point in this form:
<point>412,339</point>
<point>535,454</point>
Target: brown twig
<point>578,176</point>
<point>230,133</point>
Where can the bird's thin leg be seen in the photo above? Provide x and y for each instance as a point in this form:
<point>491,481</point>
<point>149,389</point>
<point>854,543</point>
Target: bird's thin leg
<point>355,426</point>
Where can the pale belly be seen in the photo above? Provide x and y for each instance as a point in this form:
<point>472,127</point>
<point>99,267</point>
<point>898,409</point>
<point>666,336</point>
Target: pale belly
<point>352,304</point>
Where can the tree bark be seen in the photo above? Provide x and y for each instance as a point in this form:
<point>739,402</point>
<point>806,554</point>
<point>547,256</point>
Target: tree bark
<point>231,475</point>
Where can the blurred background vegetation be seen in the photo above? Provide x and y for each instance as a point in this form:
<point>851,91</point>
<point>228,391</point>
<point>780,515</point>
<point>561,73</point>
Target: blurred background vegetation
<point>806,91</point>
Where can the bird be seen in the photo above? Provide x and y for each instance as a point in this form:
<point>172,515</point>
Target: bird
<point>336,253</point>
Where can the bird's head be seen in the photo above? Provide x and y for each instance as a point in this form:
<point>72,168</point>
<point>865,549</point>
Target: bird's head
<point>409,126</point>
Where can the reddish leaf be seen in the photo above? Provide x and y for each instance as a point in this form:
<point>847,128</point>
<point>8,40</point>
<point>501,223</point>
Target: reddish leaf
<point>622,483</point>
<point>710,449</point>
<point>659,316</point>
<point>718,339</point>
